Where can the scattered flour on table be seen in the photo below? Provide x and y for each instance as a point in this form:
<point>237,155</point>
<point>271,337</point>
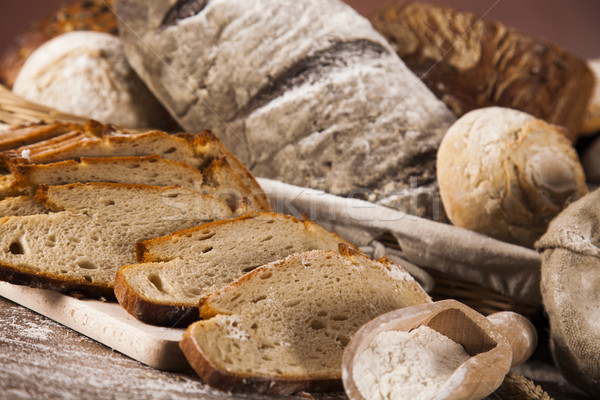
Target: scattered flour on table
<point>407,365</point>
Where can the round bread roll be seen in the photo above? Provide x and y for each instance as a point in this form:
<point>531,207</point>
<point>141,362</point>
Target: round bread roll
<point>87,74</point>
<point>506,174</point>
<point>74,15</point>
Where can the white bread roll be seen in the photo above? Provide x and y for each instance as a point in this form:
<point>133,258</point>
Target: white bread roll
<point>303,91</point>
<point>506,174</point>
<point>87,74</point>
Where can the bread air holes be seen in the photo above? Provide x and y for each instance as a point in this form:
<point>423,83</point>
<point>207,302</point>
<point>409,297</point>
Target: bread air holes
<point>156,281</point>
<point>50,241</point>
<point>266,275</point>
<point>317,324</point>
<point>267,238</point>
<point>16,248</point>
<point>86,264</point>
<point>292,303</point>
<point>343,340</point>
<point>169,150</point>
<point>248,269</point>
<point>339,317</point>
<point>259,298</point>
<point>109,203</point>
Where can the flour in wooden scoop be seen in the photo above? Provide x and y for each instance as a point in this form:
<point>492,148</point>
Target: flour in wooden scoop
<point>411,365</point>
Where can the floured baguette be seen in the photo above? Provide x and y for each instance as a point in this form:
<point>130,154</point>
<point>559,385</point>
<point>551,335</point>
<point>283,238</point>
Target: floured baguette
<point>93,231</point>
<point>328,105</point>
<point>282,328</point>
<point>177,270</point>
<point>198,150</point>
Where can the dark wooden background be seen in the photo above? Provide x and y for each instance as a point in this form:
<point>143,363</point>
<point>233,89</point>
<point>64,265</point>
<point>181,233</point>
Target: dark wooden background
<point>573,24</point>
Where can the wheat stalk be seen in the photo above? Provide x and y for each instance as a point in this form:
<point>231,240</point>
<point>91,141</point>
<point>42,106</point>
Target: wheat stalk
<point>15,110</point>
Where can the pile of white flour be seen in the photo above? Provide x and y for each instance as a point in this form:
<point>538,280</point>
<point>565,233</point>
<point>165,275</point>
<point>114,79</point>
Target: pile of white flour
<point>407,365</point>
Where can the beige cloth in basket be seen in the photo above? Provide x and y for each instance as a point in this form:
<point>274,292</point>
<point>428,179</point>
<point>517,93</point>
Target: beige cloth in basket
<point>511,270</point>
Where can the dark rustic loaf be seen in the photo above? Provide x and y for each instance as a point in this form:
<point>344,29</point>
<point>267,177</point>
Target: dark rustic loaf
<point>472,63</point>
<point>302,91</point>
<point>81,15</point>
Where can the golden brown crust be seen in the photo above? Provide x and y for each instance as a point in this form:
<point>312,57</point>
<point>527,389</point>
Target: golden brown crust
<point>208,143</point>
<point>223,380</point>
<point>149,311</point>
<point>471,63</point>
<point>88,15</point>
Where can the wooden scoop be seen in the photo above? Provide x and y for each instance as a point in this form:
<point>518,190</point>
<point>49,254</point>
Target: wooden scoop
<point>491,352</point>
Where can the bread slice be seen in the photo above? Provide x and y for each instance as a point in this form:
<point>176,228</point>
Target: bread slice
<point>93,232</point>
<point>20,206</point>
<point>198,150</point>
<point>147,170</point>
<point>177,270</point>
<point>283,327</point>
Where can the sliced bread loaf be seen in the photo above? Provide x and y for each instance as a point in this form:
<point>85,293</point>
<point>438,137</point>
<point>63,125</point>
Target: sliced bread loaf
<point>97,140</point>
<point>93,231</point>
<point>222,181</point>
<point>282,327</point>
<point>177,270</point>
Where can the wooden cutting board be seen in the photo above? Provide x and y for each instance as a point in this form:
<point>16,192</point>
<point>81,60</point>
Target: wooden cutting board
<point>107,323</point>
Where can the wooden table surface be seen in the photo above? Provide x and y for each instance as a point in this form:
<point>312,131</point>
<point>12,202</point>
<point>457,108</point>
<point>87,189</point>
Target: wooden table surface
<point>41,359</point>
